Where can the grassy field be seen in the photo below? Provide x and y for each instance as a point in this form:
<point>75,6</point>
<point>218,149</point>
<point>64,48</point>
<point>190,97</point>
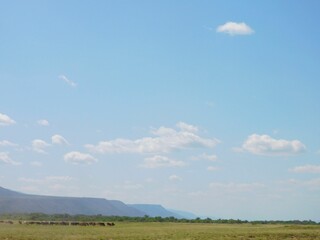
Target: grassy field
<point>145,231</point>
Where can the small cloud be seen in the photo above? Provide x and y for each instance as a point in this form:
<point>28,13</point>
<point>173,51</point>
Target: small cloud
<point>43,122</point>
<point>30,180</point>
<point>58,178</point>
<point>306,169</point>
<point>58,139</point>
<point>79,158</point>
<point>266,145</point>
<point>36,164</point>
<point>56,183</point>
<point>39,145</point>
<point>131,186</point>
<point>209,104</point>
<point>5,158</point>
<point>175,178</point>
<point>313,184</point>
<point>205,156</point>
<point>68,81</point>
<point>235,187</point>
<point>233,28</point>
<point>211,168</point>
<point>161,161</point>
<point>5,120</point>
<point>5,143</point>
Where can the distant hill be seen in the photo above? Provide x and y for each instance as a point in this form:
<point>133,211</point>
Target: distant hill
<point>184,214</point>
<point>9,193</point>
<point>16,202</point>
<point>154,210</point>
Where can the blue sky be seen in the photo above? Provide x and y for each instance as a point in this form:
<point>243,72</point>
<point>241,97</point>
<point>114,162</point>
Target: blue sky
<point>206,106</point>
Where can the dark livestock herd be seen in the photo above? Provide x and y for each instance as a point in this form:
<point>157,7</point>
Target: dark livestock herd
<point>62,223</point>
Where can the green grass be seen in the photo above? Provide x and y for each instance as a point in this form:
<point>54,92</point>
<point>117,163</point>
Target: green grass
<point>161,231</point>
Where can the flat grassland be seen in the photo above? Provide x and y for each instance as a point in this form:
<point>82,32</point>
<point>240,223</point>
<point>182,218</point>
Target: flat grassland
<point>148,231</point>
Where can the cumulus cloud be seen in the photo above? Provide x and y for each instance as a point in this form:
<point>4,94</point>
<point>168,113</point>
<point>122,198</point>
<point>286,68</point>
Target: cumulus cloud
<point>39,145</point>
<point>234,28</point>
<point>5,158</point>
<point>43,122</point>
<point>58,139</point>
<point>164,140</point>
<point>5,120</point>
<point>266,145</point>
<point>5,143</point>
<point>79,158</point>
<point>306,169</point>
<point>161,161</point>
<point>68,81</point>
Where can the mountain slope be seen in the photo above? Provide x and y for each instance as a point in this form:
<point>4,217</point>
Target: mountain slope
<point>184,214</point>
<point>14,202</point>
<point>154,210</point>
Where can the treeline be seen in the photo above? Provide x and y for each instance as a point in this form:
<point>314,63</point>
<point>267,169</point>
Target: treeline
<point>146,218</point>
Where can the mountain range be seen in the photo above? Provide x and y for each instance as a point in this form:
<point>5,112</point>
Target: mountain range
<point>16,202</point>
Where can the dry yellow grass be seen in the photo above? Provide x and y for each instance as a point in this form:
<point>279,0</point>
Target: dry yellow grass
<point>160,231</point>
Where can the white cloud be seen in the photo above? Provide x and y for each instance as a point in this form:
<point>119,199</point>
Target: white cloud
<point>163,141</point>
<point>58,139</point>
<point>5,158</point>
<point>5,120</point>
<point>5,143</point>
<point>47,184</point>
<point>265,145</point>
<point>36,164</point>
<point>210,104</point>
<point>58,178</point>
<point>205,156</point>
<point>187,127</point>
<point>211,168</point>
<point>235,187</point>
<point>79,158</point>
<point>31,180</point>
<point>128,185</point>
<point>47,179</point>
<point>175,178</point>
<point>233,28</point>
<point>68,81</point>
<point>43,122</point>
<point>312,184</point>
<point>306,169</point>
<point>39,145</point>
<point>161,161</point>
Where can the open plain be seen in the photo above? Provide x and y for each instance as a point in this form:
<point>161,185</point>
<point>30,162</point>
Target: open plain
<point>159,231</point>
